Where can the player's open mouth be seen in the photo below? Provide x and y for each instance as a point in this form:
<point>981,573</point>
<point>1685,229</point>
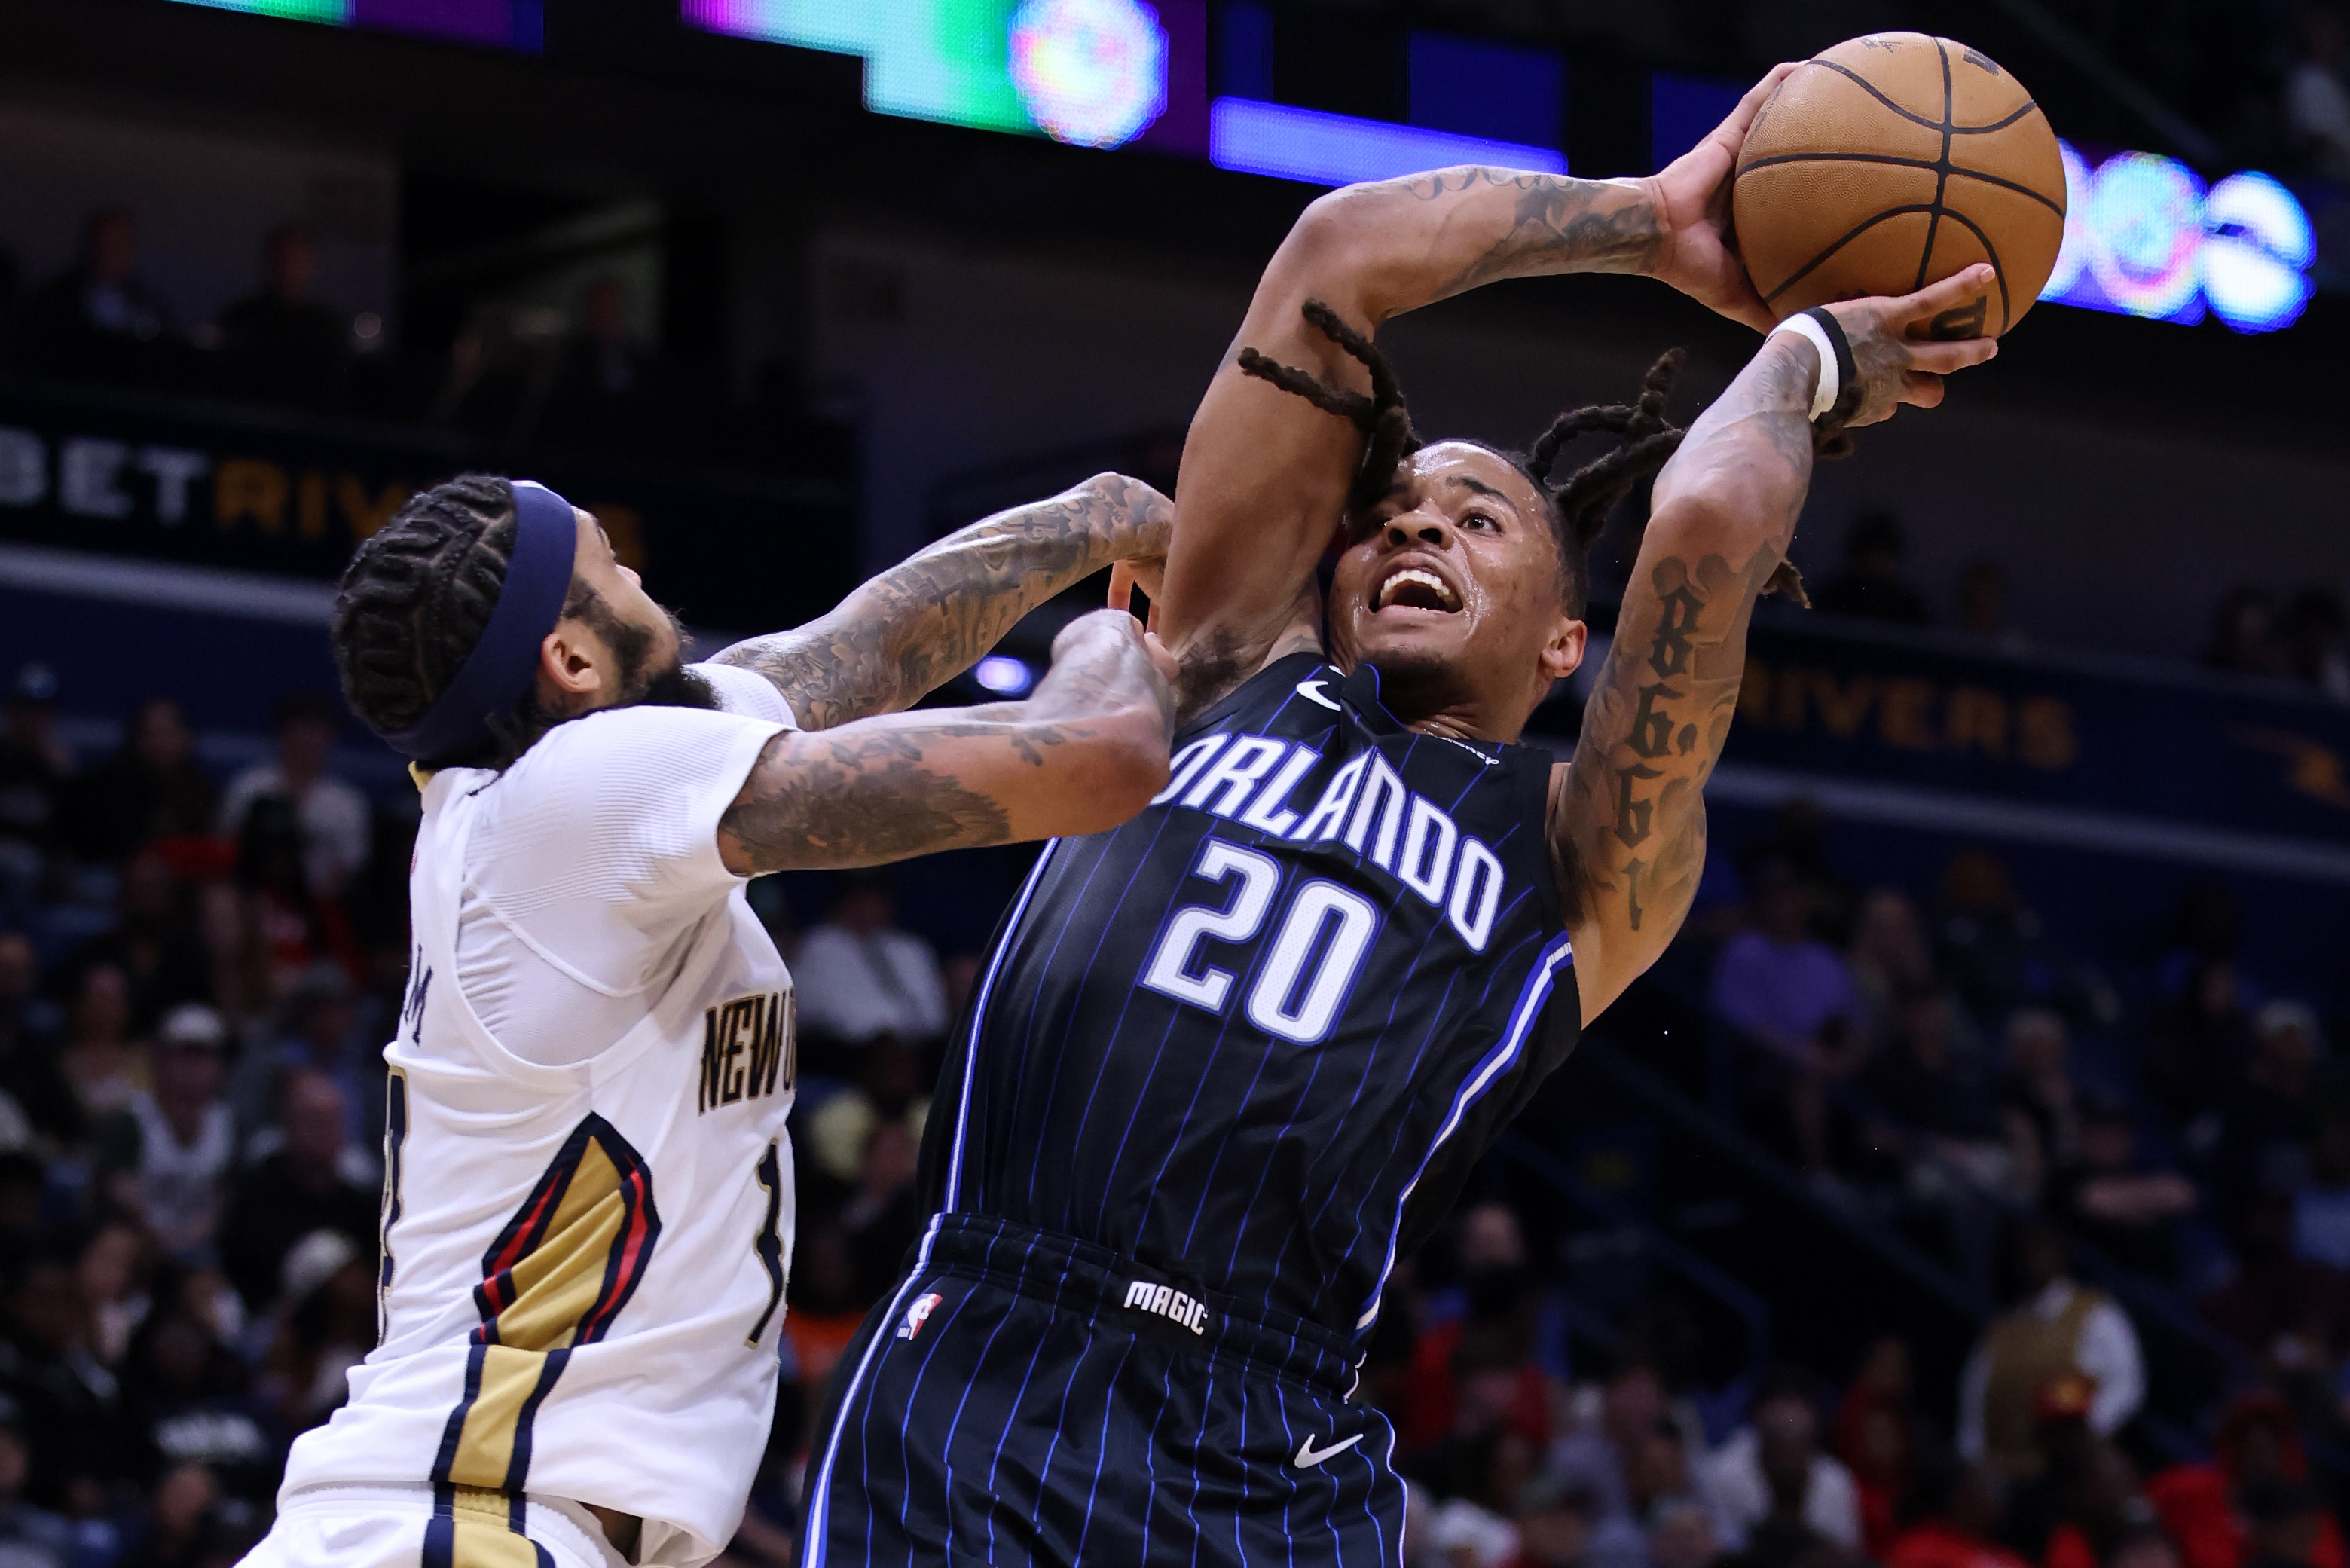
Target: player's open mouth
<point>1416,588</point>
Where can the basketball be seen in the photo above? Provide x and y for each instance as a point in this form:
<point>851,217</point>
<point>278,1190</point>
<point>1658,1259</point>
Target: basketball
<point>1891,162</point>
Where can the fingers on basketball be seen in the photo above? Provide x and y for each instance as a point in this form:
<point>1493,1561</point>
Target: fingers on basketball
<point>1893,160</point>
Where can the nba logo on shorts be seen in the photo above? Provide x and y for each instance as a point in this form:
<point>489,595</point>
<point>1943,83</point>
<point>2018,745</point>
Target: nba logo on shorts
<point>919,1314</point>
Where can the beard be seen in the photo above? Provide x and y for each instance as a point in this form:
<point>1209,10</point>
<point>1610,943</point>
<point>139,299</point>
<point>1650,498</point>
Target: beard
<point>673,685</point>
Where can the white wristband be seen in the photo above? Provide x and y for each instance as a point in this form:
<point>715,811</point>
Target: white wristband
<point>1823,396</point>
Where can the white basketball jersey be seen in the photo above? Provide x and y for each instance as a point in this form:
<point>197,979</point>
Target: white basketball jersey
<point>584,1266</point>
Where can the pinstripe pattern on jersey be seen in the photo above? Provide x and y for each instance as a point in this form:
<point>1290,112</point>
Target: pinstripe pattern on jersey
<point>1184,1134</point>
<point>1016,1428</point>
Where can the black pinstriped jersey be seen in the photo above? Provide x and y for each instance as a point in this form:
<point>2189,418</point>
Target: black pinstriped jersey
<point>1255,1037</point>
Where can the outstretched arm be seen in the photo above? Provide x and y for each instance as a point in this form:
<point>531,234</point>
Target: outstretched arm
<point>1084,752</point>
<point>1265,474</point>
<point>926,620</point>
<point>1627,815</point>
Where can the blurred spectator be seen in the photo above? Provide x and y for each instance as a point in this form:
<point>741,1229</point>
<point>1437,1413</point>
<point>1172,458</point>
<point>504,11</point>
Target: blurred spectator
<point>1957,1512</point>
<point>29,1537</point>
<point>2244,637</point>
<point>188,1394</point>
<point>2200,1042</point>
<point>1775,1487</point>
<point>859,976</point>
<point>336,826</point>
<point>1995,950</point>
<point>1494,1298</point>
<point>2129,1214</point>
<point>151,787</point>
<point>1871,585</point>
<point>326,1324</point>
<point>2143,1546</point>
<point>881,1220</point>
<point>887,1089</point>
<point>1982,606</point>
<point>170,1148</point>
<point>2321,1208</point>
<point>1629,1459</point>
<point>1887,953</point>
<point>1554,1527</point>
<point>184,1526</point>
<point>106,1272</point>
<point>300,1189</point>
<point>1877,1439</point>
<point>2059,1330</point>
<point>29,1035</point>
<point>293,927</point>
<point>2267,1120</point>
<point>2290,1312</point>
<point>2318,90</point>
<point>821,1310</point>
<point>2314,629</point>
<point>2084,1497</point>
<point>236,953</point>
<point>102,1062</point>
<point>1682,1535</point>
<point>277,344</point>
<point>1938,1107</point>
<point>1791,993</point>
<point>2037,1099</point>
<point>2286,1523</point>
<point>69,1401</point>
<point>98,320</point>
<point>2201,1504</point>
<point>151,942</point>
<point>34,767</point>
<point>319,1033</point>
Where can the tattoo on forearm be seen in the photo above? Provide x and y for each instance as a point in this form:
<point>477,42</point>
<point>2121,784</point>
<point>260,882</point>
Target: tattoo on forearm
<point>1629,823</point>
<point>926,620</point>
<point>1560,224</point>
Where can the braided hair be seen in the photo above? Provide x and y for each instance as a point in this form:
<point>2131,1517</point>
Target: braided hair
<point>1579,507</point>
<point>417,597</point>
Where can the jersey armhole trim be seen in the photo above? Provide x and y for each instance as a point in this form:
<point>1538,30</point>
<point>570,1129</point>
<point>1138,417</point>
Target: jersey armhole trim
<point>538,949</point>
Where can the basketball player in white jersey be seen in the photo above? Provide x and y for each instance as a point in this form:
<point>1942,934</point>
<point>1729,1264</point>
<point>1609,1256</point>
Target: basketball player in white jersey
<point>587,1203</point>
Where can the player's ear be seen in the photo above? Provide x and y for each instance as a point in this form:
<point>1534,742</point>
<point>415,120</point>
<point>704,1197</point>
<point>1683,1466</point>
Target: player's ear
<point>573,667</point>
<point>1563,649</point>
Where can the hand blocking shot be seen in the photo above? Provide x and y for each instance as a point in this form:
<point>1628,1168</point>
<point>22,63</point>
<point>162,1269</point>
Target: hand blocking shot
<point>1230,1062</point>
<point>588,1194</point>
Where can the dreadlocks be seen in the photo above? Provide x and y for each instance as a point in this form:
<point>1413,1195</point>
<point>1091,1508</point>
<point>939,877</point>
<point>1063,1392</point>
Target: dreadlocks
<point>1579,507</point>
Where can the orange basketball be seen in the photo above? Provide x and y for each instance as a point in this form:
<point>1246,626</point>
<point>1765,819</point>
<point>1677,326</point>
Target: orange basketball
<point>1891,162</point>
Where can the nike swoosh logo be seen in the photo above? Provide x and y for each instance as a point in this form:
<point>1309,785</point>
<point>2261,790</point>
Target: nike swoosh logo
<point>1308,1456</point>
<point>1312,691</point>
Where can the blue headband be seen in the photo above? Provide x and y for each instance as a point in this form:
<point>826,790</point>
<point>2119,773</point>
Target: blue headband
<point>494,677</point>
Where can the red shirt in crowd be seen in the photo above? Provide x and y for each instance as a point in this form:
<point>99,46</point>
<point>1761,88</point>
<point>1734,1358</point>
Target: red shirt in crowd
<point>1935,1544</point>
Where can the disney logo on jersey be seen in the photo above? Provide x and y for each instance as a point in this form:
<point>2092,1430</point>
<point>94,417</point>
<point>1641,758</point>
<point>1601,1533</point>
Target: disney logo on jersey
<point>1249,779</point>
<point>748,1050</point>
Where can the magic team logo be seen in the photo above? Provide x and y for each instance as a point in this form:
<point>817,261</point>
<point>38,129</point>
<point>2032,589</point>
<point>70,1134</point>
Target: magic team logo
<point>919,1314</point>
<point>1168,1303</point>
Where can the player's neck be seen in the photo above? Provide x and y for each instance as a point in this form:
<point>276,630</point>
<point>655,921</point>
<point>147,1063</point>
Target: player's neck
<point>1438,707</point>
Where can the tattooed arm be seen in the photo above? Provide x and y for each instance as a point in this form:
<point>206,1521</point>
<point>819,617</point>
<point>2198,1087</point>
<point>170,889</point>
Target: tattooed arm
<point>1265,474</point>
<point>928,620</point>
<point>1083,753</point>
<point>1627,815</point>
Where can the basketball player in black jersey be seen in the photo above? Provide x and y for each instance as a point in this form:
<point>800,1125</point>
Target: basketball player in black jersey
<point>1229,1061</point>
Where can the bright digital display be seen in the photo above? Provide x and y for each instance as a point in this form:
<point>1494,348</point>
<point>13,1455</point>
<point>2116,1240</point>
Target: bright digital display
<point>2144,237</point>
<point>502,24</point>
<point>1090,72</point>
<point>1338,150</point>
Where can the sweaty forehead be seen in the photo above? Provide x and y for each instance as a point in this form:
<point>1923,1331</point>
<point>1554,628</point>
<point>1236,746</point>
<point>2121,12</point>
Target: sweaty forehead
<point>1456,465</point>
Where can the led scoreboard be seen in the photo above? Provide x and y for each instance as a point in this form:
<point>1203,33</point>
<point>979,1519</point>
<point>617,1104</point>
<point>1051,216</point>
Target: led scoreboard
<point>502,24</point>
